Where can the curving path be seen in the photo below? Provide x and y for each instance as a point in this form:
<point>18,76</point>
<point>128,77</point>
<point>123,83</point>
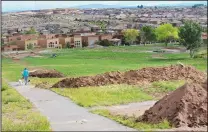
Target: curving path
<point>63,114</point>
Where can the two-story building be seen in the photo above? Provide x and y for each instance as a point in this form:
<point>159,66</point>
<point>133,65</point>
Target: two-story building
<point>49,41</point>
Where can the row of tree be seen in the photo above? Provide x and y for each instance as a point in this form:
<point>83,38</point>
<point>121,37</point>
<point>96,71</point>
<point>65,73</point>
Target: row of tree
<point>188,35</point>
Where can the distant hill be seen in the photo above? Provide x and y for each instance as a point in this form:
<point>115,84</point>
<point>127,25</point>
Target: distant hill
<point>120,6</point>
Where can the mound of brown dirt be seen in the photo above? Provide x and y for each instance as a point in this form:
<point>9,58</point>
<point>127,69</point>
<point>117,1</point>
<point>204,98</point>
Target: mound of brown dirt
<point>46,74</point>
<point>186,106</point>
<point>151,74</point>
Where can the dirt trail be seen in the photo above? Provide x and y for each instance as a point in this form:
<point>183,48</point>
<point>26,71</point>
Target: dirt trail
<point>186,106</point>
<point>150,74</point>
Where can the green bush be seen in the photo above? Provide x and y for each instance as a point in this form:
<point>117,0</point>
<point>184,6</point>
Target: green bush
<point>105,42</point>
<point>202,54</point>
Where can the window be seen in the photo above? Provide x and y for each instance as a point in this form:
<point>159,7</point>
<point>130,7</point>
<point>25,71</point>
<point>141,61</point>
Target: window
<point>77,44</point>
<point>51,45</point>
<point>56,42</point>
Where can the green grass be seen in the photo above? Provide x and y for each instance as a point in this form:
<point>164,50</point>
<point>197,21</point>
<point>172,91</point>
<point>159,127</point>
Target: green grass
<point>10,70</point>
<point>84,62</point>
<point>81,62</point>
<point>167,86</point>
<point>18,113</point>
<point>104,95</point>
<point>131,121</point>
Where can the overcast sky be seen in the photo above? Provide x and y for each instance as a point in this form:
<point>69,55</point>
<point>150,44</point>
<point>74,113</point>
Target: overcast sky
<point>35,5</point>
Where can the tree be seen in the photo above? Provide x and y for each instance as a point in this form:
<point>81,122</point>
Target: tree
<point>30,46</point>
<point>130,35</point>
<point>140,6</point>
<point>84,44</point>
<point>147,34</point>
<point>166,33</point>
<point>31,31</point>
<point>67,45</point>
<point>105,42</point>
<point>190,36</point>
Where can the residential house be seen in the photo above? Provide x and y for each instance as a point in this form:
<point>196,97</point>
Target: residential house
<point>105,36</point>
<point>77,40</point>
<point>95,28</point>
<point>64,39</point>
<point>176,23</point>
<point>49,41</point>
<point>9,48</point>
<point>154,21</point>
<point>90,40</point>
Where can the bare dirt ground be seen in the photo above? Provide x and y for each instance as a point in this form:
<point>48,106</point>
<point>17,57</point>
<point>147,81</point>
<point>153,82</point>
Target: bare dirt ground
<point>138,109</point>
<point>43,73</point>
<point>17,55</point>
<point>184,107</point>
<point>132,77</point>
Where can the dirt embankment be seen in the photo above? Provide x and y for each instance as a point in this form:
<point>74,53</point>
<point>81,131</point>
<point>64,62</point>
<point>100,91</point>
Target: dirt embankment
<point>42,73</point>
<point>186,106</point>
<point>150,74</point>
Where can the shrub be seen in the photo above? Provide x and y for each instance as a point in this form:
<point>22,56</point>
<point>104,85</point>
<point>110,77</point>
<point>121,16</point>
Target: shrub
<point>105,42</point>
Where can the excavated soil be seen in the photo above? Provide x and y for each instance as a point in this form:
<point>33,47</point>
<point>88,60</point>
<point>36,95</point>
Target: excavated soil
<point>41,73</point>
<point>186,106</point>
<point>150,74</point>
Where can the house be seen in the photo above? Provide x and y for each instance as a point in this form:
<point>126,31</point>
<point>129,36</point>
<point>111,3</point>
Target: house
<point>10,48</point>
<point>22,37</point>
<point>90,40</point>
<point>121,16</point>
<point>63,40</point>
<point>105,36</point>
<point>95,28</point>
<point>77,39</point>
<point>155,21</point>
<point>49,41</point>
<point>24,44</point>
<point>176,23</point>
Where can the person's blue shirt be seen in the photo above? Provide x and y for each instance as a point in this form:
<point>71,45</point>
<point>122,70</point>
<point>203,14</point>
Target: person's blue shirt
<point>25,73</point>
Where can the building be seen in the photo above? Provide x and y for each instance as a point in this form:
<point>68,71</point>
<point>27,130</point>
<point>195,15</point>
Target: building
<point>64,39</point>
<point>77,41</point>
<point>9,48</point>
<point>105,36</point>
<point>49,41</point>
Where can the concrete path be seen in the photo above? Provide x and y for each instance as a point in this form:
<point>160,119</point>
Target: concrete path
<point>63,114</point>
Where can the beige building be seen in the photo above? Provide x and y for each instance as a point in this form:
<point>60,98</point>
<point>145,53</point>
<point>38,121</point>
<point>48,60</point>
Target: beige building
<point>34,43</point>
<point>77,41</point>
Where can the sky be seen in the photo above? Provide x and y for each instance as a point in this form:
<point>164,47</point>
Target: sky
<point>8,6</point>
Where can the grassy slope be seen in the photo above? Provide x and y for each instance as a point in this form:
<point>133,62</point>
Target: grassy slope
<point>79,62</point>
<point>105,95</point>
<point>131,122</point>
<point>18,113</point>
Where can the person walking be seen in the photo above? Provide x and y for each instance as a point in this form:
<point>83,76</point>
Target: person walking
<point>25,75</point>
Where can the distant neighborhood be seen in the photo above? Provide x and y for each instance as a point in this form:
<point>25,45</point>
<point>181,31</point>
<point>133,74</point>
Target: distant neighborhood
<point>60,28</point>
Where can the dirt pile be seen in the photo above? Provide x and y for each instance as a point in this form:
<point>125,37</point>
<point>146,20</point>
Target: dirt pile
<point>151,74</point>
<point>186,106</point>
<point>41,73</point>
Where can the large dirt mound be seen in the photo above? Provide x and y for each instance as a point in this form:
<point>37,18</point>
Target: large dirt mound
<point>186,106</point>
<point>41,73</point>
<point>151,74</point>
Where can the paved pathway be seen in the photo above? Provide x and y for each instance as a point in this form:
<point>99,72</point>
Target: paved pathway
<point>63,114</point>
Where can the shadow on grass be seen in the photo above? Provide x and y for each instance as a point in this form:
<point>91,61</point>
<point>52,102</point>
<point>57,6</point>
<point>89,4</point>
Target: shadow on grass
<point>167,59</point>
